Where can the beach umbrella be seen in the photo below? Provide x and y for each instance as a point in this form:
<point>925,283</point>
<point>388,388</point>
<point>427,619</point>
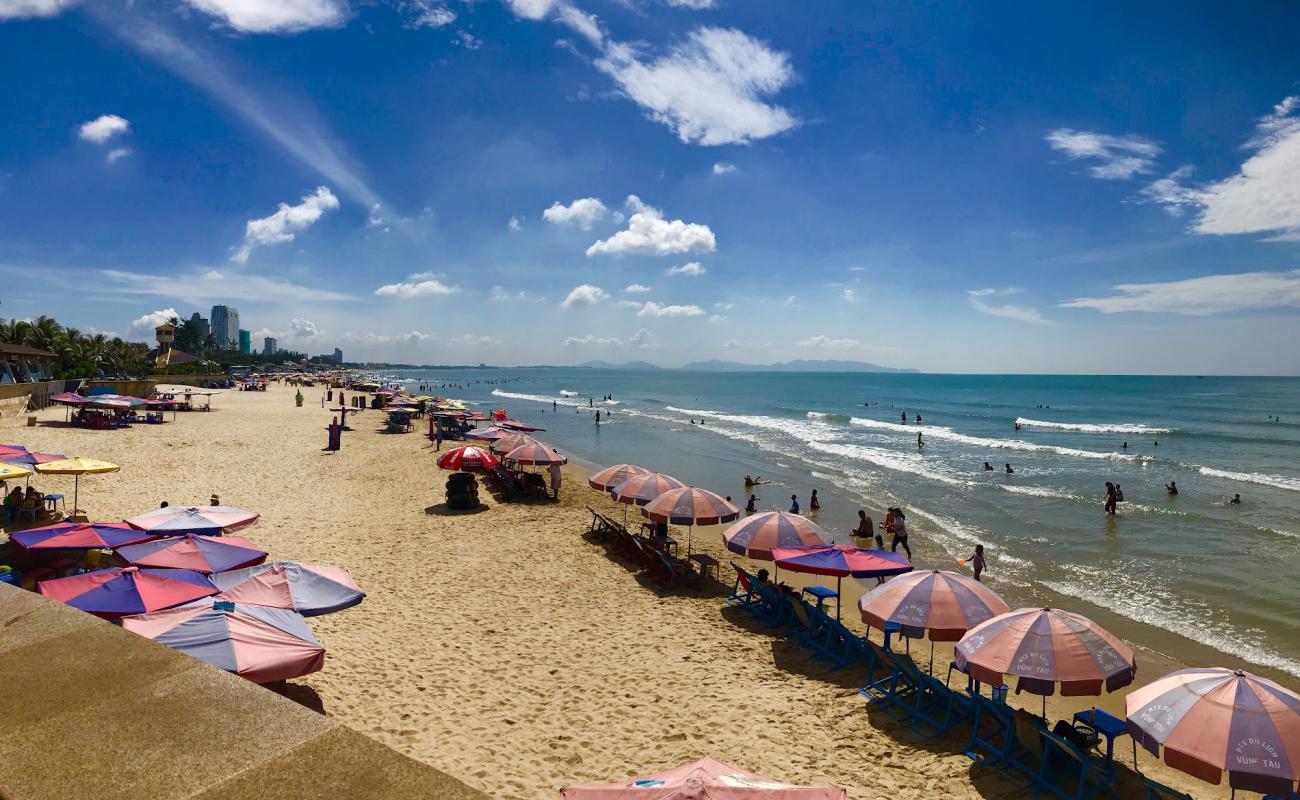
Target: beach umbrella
<point>504,444</point>
<point>69,399</point>
<point>1045,646</point>
<point>27,458</point>
<point>841,560</point>
<point>515,425</point>
<point>488,434</point>
<point>757,536</point>
<point>944,604</point>
<point>79,536</point>
<point>309,589</point>
<point>114,401</point>
<point>689,506</point>
<point>468,459</point>
<point>255,642</point>
<point>535,453</point>
<point>706,779</point>
<point>76,466</point>
<point>205,554</point>
<point>117,592</point>
<point>641,489</point>
<point>203,520</point>
<point>610,477</point>
<point>1211,721</point>
<point>11,471</point>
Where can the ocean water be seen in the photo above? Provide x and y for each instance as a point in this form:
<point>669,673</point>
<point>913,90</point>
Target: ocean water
<point>1192,576</point>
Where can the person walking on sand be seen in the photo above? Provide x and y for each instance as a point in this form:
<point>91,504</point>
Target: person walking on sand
<point>976,560</point>
<point>899,529</point>
<point>794,504</point>
<point>813,503</point>
<point>555,480</point>
<point>437,436</point>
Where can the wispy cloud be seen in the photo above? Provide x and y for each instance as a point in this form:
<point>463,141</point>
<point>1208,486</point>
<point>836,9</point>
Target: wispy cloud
<point>1112,157</point>
<point>200,286</point>
<point>690,269</point>
<point>641,339</point>
<point>23,9</point>
<point>275,16</point>
<point>848,295</point>
<point>298,133</point>
<point>116,154</point>
<point>286,222</point>
<point>584,295</point>
<point>983,300</point>
<point>648,233</point>
<point>823,342</point>
<point>417,285</point>
<point>1210,294</point>
<point>653,309</point>
<point>635,288</point>
<point>723,168</point>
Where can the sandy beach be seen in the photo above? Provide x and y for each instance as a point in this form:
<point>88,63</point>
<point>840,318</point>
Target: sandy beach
<point>502,646</point>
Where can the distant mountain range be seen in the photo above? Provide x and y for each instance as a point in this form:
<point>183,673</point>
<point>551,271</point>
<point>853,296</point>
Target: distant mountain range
<point>798,365</point>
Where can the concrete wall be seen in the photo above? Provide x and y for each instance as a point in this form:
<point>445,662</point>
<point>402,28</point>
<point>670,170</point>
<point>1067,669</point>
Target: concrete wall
<point>17,398</point>
<point>93,711</point>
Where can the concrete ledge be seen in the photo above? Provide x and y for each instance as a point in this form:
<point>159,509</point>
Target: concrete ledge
<point>95,711</point>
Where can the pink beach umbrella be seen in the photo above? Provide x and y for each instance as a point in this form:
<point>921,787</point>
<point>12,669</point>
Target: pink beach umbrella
<point>255,642</point>
<point>1211,721</point>
<point>203,520</point>
<point>114,593</point>
<point>841,560</point>
<point>535,453</point>
<point>690,506</point>
<point>945,604</point>
<point>468,459</point>
<point>757,536</point>
<point>1042,647</point>
<point>610,477</point>
<point>706,779</point>
<point>205,554</point>
<point>504,444</point>
<point>309,589</point>
<point>641,489</point>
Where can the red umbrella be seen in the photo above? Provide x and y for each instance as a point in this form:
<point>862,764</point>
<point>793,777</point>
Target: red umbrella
<point>690,506</point>
<point>468,459</point>
<point>534,452</point>
<point>610,477</point>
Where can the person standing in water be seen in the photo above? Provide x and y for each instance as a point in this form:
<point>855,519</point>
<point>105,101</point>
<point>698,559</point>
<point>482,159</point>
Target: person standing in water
<point>1009,470</point>
<point>988,467</point>
<point>1109,505</point>
<point>899,529</point>
<point>813,503</point>
<point>1171,487</point>
<point>920,443</point>
<point>752,505</point>
<point>794,504</point>
<point>903,417</point>
<point>976,560</point>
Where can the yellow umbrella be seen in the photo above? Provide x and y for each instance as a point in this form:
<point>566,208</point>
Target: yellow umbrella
<point>76,466</point>
<point>8,471</point>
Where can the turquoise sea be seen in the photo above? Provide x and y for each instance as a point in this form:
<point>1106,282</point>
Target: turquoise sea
<point>1191,575</point>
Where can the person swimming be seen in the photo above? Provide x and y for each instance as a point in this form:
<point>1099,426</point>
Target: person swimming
<point>1017,424</point>
<point>1009,470</point>
<point>1235,501</point>
<point>918,417</point>
<point>1124,446</point>
<point>1171,487</point>
<point>988,467</point>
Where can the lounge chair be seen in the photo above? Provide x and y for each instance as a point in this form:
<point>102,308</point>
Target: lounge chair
<point>808,630</point>
<point>991,730</point>
<point>743,594</point>
<point>1158,791</point>
<point>1063,769</point>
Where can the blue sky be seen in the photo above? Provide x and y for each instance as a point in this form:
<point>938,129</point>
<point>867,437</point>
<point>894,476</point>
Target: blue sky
<point>987,187</point>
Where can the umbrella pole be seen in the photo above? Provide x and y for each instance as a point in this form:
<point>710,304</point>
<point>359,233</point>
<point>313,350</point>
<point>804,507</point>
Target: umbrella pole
<point>689,529</point>
<point>838,581</point>
<point>932,656</point>
<point>76,492</point>
<point>1044,708</point>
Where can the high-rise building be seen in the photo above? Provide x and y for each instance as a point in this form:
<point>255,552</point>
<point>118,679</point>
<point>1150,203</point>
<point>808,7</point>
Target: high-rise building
<point>201,324</point>
<point>225,326</point>
<point>338,356</point>
<point>270,347</point>
<point>245,342</point>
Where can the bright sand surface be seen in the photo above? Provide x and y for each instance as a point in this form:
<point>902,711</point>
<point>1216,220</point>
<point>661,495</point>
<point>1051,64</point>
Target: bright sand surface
<point>503,647</point>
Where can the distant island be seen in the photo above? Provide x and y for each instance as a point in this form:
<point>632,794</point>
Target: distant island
<point>716,365</point>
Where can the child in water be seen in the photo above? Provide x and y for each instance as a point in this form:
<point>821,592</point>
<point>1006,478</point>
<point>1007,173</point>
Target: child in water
<point>976,560</point>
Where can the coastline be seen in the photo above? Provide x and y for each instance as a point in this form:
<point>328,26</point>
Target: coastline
<point>501,646</point>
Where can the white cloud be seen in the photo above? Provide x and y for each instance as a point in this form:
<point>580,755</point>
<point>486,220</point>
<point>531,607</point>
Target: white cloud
<point>582,22</point>
<point>304,329</point>
<point>421,284</point>
<point>723,168</point>
<point>692,269</point>
<point>635,288</point>
<point>1113,157</point>
<point>117,153</point>
<point>648,233</point>
<point>531,9</point>
<point>427,14</point>
<point>584,295</point>
<point>653,309</point>
<point>642,338</point>
<point>724,306</point>
<point>471,340</point>
<point>583,212</point>
<point>499,294</point>
<point>198,287</point>
<point>696,5</point>
<point>1211,294</point>
<point>144,325</point>
<point>286,222</point>
<point>710,89</point>
<point>21,9</point>
<point>822,342</point>
<point>848,295</point>
<point>591,339</point>
<point>1262,197</point>
<point>103,128</point>
<point>716,318</point>
<point>515,224</point>
<point>468,40</point>
<point>275,16</point>
<point>981,300</point>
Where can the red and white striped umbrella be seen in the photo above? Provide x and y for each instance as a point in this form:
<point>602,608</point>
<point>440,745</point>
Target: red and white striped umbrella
<point>610,477</point>
<point>535,453</point>
<point>757,536</point>
<point>1046,646</point>
<point>1212,721</point>
<point>467,459</point>
<point>641,489</point>
<point>944,603</point>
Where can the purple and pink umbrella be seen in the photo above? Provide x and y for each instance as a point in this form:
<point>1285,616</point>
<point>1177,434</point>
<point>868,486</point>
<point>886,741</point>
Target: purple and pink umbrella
<point>309,589</point>
<point>79,536</point>
<point>841,561</point>
<point>1043,647</point>
<point>119,592</point>
<point>1211,721</point>
<point>69,399</point>
<point>757,536</point>
<point>255,642</point>
<point>205,554</point>
<point>16,454</point>
<point>203,520</point>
